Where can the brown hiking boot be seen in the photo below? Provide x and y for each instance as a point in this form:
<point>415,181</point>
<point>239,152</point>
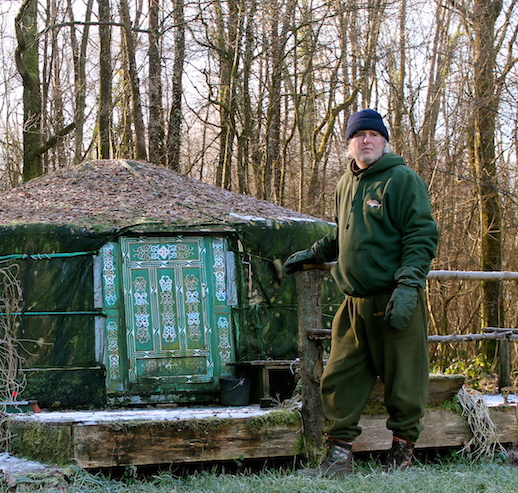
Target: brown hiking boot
<point>339,461</point>
<point>400,456</point>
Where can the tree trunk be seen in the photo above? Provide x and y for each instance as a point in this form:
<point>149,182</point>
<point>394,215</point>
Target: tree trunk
<point>309,293</point>
<point>54,99</point>
<point>281,19</point>
<point>484,159</point>
<point>273,129</point>
<point>440,62</point>
<point>229,39</point>
<point>371,33</point>
<point>156,149</point>
<point>124,134</point>
<point>398,76</point>
<point>174,136</point>
<point>26,56</point>
<point>248,135</point>
<point>105,80</point>
<point>79,60</point>
<point>138,118</point>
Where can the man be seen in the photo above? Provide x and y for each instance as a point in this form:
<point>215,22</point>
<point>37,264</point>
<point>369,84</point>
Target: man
<point>384,241</point>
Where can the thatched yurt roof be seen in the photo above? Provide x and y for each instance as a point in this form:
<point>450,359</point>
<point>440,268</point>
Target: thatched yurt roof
<point>107,195</point>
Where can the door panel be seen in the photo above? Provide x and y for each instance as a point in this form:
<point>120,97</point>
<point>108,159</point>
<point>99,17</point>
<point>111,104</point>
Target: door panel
<point>178,323</point>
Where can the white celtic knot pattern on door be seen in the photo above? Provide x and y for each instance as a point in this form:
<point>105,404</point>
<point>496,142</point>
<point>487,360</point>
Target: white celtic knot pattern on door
<point>167,302</point>
<point>113,349</point>
<point>141,310</point>
<point>224,339</point>
<point>110,293</point>
<point>163,251</point>
<point>192,305</point>
<point>219,269</point>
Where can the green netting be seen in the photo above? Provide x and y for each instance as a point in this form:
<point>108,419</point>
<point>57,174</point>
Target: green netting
<point>57,321</point>
<point>56,273</point>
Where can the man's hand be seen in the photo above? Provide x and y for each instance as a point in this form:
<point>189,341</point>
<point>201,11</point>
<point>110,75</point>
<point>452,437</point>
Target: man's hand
<point>297,260</point>
<point>401,306</point>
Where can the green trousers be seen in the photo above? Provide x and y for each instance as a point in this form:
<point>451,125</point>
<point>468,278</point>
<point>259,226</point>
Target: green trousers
<point>364,347</point>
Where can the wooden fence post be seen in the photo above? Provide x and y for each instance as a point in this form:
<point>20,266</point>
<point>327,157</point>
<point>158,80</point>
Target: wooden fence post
<point>309,292</point>
<point>504,364</point>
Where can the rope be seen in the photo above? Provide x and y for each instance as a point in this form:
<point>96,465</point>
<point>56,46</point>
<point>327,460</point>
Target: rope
<point>11,296</point>
<point>485,434</point>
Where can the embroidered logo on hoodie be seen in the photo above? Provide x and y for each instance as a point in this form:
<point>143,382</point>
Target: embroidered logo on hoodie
<point>374,203</point>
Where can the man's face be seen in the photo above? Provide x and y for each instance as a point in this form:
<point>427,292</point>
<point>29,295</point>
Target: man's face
<point>366,147</point>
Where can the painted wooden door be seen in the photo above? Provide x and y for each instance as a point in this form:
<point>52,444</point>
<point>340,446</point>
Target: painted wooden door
<point>177,313</point>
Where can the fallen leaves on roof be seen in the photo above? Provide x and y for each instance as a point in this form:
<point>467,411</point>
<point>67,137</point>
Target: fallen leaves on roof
<point>113,194</point>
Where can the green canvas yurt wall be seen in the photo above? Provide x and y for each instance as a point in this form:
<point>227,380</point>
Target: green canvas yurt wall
<point>270,328</point>
<point>54,230</point>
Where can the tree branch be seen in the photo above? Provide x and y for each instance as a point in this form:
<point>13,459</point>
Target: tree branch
<point>51,142</point>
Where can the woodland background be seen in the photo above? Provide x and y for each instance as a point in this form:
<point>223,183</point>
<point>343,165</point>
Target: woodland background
<point>254,96</point>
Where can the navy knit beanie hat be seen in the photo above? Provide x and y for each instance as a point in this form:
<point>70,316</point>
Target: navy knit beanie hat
<point>365,120</point>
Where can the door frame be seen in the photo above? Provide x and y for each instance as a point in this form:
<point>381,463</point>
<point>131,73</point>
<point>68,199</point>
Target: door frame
<point>222,267</point>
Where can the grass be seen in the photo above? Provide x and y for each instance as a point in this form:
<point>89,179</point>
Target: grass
<point>449,475</point>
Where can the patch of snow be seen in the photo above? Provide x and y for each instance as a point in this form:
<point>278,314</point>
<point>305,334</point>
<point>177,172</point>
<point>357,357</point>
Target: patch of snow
<point>14,465</point>
<point>246,218</point>
<point>155,414</point>
<point>498,400</point>
<point>301,219</point>
<point>305,219</point>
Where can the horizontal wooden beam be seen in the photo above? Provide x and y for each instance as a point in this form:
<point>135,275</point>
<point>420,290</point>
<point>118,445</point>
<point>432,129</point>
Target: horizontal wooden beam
<point>475,275</point>
<point>499,329</point>
<point>442,428</point>
<point>102,445</point>
<point>508,335</point>
<point>492,336</point>
<point>444,275</point>
<point>139,437</point>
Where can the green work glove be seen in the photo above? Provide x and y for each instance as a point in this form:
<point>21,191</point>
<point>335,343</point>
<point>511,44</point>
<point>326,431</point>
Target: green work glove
<point>297,260</point>
<point>401,306</point>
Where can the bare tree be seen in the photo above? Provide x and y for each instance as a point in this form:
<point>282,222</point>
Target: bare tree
<point>175,113</point>
<point>229,32</point>
<point>79,54</point>
<point>27,62</point>
<point>397,73</point>
<point>485,108</point>
<point>105,80</point>
<point>280,23</point>
<point>134,83</point>
<point>156,150</point>
<point>247,142</point>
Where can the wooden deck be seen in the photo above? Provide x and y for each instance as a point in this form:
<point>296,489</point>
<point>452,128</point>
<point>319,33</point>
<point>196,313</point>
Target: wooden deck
<point>155,436</point>
<point>184,435</point>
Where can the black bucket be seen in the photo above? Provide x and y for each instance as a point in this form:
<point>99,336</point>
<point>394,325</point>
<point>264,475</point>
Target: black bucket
<point>235,391</point>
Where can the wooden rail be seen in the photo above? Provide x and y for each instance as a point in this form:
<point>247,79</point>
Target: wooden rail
<point>491,335</point>
<point>444,275</point>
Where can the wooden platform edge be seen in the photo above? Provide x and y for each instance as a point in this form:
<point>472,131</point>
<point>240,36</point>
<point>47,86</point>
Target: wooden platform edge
<point>206,440</point>
<point>125,443</point>
<point>442,428</point>
<point>152,442</point>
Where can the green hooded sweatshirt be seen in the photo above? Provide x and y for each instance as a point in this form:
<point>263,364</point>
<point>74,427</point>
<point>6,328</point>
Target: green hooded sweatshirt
<point>385,232</point>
